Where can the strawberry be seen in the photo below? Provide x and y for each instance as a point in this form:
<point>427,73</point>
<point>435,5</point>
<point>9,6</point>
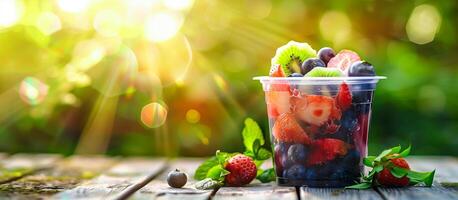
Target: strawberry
<point>278,102</point>
<point>343,60</point>
<point>387,179</point>
<point>343,98</point>
<point>286,129</point>
<point>326,149</point>
<point>317,109</point>
<point>242,170</point>
<point>277,71</point>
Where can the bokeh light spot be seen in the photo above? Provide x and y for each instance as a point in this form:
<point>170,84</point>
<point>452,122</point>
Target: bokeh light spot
<point>107,23</point>
<point>73,6</point>
<point>153,115</point>
<point>178,4</point>
<point>162,26</point>
<point>48,23</point>
<point>335,26</point>
<point>423,24</point>
<point>192,116</point>
<point>10,12</point>
<point>33,91</point>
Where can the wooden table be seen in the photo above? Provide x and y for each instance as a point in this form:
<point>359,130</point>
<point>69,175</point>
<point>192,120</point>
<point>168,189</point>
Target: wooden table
<point>43,176</point>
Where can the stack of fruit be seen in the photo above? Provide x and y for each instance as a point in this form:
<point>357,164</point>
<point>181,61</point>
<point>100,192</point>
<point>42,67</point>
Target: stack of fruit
<point>320,130</point>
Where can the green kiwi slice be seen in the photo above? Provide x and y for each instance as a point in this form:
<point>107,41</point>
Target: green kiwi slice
<point>291,55</point>
<point>324,72</point>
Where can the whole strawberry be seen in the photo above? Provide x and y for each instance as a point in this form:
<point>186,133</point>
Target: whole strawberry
<point>385,177</point>
<point>242,170</point>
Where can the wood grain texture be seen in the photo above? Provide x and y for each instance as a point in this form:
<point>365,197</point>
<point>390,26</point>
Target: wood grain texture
<point>413,193</point>
<point>337,193</point>
<point>159,189</point>
<point>20,165</point>
<point>64,175</point>
<point>120,179</point>
<point>257,191</point>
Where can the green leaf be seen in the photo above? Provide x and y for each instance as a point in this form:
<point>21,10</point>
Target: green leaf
<point>208,183</point>
<point>263,154</point>
<point>250,133</point>
<point>369,161</point>
<point>202,170</point>
<point>217,173</point>
<point>399,172</point>
<point>425,177</point>
<point>378,168</point>
<point>386,152</point>
<point>363,185</point>
<point>266,176</point>
<point>223,156</point>
<point>258,163</point>
<point>405,153</point>
<point>256,146</point>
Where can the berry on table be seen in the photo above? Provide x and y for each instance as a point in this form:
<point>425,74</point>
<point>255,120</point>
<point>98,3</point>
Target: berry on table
<point>242,170</point>
<point>176,178</point>
<point>387,179</point>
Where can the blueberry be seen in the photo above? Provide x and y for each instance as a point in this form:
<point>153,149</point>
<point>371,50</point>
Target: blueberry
<point>281,157</point>
<point>349,121</point>
<point>311,63</point>
<point>351,163</point>
<point>297,153</point>
<point>361,68</point>
<point>296,75</point>
<point>311,174</point>
<point>176,178</point>
<point>325,54</point>
<point>338,173</point>
<point>295,172</point>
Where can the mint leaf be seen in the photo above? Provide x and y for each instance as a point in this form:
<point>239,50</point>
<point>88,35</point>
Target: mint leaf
<point>217,173</point>
<point>425,177</point>
<point>250,133</point>
<point>208,183</point>
<point>202,170</point>
<point>363,185</point>
<point>369,161</point>
<point>223,156</point>
<point>386,152</point>
<point>405,153</point>
<point>256,146</point>
<point>266,176</point>
<point>263,154</point>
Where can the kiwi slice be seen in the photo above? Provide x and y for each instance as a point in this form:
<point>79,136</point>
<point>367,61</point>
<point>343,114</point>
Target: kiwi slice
<point>291,55</point>
<point>324,72</point>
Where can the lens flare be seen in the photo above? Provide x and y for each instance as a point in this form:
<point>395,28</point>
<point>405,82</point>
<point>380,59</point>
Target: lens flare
<point>86,54</point>
<point>178,4</point>
<point>73,6</point>
<point>335,27</point>
<point>115,73</point>
<point>48,23</point>
<point>10,12</point>
<point>107,23</point>
<point>192,116</point>
<point>153,115</point>
<point>163,26</point>
<point>33,91</point>
<point>423,24</point>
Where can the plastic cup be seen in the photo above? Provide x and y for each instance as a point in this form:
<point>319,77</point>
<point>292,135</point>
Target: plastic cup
<point>319,133</point>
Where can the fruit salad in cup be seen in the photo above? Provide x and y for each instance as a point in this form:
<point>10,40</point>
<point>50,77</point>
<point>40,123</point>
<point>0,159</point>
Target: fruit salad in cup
<point>319,107</point>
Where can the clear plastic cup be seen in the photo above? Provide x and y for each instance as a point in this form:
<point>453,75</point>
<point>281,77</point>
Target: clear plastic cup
<point>319,133</point>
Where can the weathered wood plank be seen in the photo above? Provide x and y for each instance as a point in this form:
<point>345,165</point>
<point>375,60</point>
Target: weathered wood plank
<point>19,165</point>
<point>118,182</point>
<point>66,174</point>
<point>337,193</point>
<point>257,191</point>
<point>159,189</point>
<point>435,192</point>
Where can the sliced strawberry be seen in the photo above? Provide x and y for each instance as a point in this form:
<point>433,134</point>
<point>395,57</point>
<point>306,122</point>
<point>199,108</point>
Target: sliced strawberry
<point>277,71</point>
<point>277,103</point>
<point>343,98</point>
<point>286,129</point>
<point>317,110</point>
<point>343,60</point>
<point>326,149</point>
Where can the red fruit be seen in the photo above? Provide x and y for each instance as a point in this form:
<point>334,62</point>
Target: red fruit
<point>343,98</point>
<point>326,149</point>
<point>286,129</point>
<point>277,71</point>
<point>343,60</point>
<point>242,170</point>
<point>278,102</point>
<point>387,179</point>
<point>317,109</point>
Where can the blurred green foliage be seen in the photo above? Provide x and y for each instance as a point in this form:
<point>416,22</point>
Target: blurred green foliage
<point>231,42</point>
